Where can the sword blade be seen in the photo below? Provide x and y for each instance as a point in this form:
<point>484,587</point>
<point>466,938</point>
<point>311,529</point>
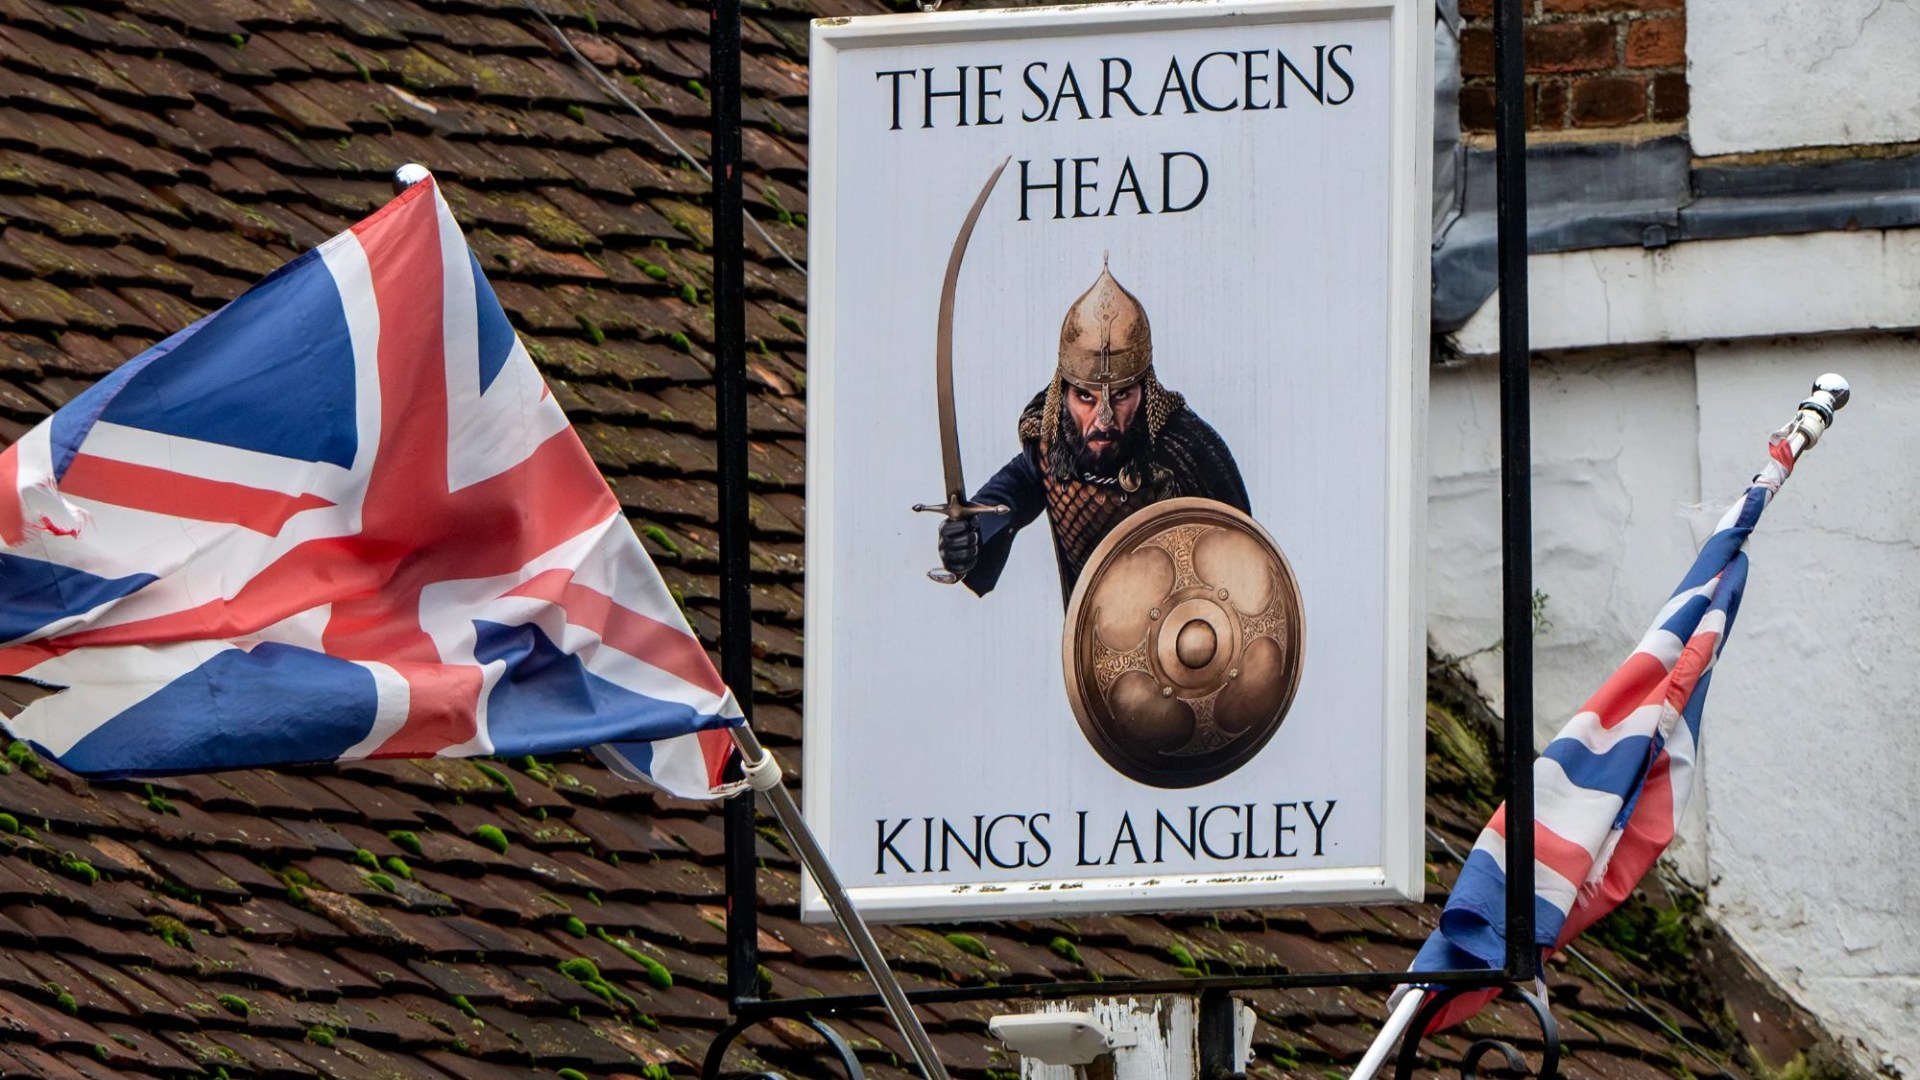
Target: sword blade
<point>943,349</point>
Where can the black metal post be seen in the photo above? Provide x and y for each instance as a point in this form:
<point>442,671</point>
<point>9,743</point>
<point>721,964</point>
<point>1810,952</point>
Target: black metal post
<point>1516,492</point>
<point>730,392</point>
<point>1214,1033</point>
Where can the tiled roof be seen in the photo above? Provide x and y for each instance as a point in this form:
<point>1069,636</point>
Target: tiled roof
<point>454,919</point>
<point>369,920</point>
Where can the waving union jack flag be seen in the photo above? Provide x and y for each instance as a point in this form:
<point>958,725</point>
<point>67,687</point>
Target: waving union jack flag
<point>1611,788</point>
<point>341,518</point>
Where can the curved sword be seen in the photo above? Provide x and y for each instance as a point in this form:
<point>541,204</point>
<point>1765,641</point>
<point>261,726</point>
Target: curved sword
<point>956,505</point>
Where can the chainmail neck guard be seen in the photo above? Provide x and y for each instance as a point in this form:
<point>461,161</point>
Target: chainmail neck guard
<point>1083,509</point>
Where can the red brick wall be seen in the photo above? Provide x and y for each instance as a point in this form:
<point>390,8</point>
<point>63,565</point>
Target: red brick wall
<point>1590,63</point>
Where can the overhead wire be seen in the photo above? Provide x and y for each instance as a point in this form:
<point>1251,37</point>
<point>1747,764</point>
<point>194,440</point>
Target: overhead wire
<point>613,90</point>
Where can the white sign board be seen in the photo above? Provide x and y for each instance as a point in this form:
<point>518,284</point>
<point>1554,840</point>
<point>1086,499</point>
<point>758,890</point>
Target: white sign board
<point>1187,352</point>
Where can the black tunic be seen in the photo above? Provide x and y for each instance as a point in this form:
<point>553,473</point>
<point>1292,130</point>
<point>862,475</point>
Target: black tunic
<point>1187,458</point>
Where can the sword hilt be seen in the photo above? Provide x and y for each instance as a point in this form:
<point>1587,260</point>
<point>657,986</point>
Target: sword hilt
<point>955,509</point>
<point>960,508</point>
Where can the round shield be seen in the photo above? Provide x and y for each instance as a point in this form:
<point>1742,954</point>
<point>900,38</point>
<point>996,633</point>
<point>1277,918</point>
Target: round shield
<point>1183,643</point>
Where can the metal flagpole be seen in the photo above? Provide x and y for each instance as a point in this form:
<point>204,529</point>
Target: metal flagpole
<point>763,775</point>
<point>736,609</point>
<point>1409,999</point>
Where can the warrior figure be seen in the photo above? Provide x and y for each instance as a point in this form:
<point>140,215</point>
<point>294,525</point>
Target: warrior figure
<point>1101,441</point>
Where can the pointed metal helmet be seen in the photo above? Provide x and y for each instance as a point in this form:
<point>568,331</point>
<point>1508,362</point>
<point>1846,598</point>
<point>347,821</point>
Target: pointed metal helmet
<point>1105,341</point>
<point>1106,346</point>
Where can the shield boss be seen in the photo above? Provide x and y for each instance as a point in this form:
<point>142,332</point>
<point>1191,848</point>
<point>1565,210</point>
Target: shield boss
<point>1183,643</point>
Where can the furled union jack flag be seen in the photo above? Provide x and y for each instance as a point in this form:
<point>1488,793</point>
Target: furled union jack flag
<point>340,518</point>
<point>1610,789</point>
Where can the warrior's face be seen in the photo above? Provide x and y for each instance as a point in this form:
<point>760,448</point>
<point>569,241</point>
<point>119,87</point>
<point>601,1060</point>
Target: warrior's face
<point>1103,418</point>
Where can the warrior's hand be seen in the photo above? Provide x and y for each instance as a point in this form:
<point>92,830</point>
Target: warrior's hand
<point>959,545</point>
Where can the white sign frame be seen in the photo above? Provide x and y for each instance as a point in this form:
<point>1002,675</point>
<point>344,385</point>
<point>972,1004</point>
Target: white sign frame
<point>1400,873</point>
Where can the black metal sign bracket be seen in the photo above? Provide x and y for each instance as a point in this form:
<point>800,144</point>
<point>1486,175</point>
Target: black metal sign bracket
<point>1522,958</point>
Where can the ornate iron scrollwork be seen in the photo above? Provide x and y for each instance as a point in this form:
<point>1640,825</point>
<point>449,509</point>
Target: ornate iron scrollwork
<point>717,1050</point>
<point>1480,1048</point>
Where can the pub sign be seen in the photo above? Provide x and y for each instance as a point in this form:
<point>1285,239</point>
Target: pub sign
<point>1116,394</point>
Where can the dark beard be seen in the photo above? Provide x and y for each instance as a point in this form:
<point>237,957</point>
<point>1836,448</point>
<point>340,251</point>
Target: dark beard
<point>1073,459</point>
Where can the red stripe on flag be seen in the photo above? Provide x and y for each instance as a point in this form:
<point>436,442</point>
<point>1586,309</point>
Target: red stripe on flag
<point>440,709</point>
<point>1550,849</point>
<point>1559,854</point>
<point>1626,688</point>
<point>13,522</point>
<point>1694,661</point>
<point>640,636</point>
<point>1781,451</point>
<point>20,658</point>
<point>409,477</point>
<point>162,491</point>
<point>1647,834</point>
<point>1460,1009</point>
<point>717,746</point>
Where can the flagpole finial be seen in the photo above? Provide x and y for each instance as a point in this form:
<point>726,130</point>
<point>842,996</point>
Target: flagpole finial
<point>1815,415</point>
<point>408,175</point>
<point>1833,387</point>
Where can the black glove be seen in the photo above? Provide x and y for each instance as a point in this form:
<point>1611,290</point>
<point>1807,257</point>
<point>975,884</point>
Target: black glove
<point>959,545</point>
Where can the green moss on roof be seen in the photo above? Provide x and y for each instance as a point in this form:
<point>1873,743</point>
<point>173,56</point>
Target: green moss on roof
<point>490,836</point>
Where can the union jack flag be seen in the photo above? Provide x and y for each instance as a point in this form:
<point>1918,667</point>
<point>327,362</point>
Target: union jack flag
<point>341,517</point>
<point>1610,789</point>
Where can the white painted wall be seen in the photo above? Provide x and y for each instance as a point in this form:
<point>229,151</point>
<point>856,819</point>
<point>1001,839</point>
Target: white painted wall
<point>1811,800</point>
<point>1811,803</point>
<point>1615,469</point>
<point>1772,74</point>
<point>1811,748</point>
<point>1762,287</point>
